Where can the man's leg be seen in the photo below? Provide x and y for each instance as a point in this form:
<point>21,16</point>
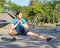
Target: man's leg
<point>35,35</point>
<point>12,34</point>
<point>38,36</point>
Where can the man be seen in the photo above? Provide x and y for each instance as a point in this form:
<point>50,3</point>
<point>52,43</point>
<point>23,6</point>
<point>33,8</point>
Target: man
<point>19,25</point>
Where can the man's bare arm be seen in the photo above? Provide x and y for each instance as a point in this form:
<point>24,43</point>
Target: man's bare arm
<point>25,26</point>
<point>13,26</point>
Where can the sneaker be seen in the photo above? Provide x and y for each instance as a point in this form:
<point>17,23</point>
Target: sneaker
<point>13,39</point>
<point>48,39</point>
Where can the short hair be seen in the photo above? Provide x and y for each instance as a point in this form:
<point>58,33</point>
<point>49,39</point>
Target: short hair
<point>17,13</point>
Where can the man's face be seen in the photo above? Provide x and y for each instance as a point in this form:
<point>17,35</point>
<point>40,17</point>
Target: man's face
<point>19,16</point>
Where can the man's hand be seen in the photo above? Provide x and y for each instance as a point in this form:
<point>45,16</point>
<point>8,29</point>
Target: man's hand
<point>19,21</point>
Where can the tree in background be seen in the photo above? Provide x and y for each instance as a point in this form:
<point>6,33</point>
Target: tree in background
<point>2,2</point>
<point>46,10</point>
<point>34,9</point>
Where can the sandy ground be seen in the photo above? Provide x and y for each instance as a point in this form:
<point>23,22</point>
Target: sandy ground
<point>30,42</point>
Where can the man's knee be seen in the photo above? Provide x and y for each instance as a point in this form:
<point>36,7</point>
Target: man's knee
<point>30,33</point>
<point>11,31</point>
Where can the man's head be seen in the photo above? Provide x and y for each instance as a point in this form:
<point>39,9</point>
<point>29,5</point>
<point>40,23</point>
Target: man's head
<point>19,15</point>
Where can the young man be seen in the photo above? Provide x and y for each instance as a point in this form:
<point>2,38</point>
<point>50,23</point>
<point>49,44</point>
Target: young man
<point>19,25</point>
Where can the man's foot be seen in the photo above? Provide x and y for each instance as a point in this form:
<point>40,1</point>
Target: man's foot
<point>13,39</point>
<point>48,39</point>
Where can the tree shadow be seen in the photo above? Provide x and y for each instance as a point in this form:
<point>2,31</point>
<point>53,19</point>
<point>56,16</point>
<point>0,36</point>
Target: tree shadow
<point>1,34</point>
<point>53,43</point>
<point>12,46</point>
<point>5,39</point>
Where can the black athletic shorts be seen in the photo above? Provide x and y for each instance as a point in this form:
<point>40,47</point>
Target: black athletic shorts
<point>21,32</point>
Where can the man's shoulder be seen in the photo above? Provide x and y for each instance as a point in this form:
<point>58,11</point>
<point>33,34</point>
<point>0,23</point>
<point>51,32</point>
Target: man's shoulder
<point>14,20</point>
<point>23,19</point>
